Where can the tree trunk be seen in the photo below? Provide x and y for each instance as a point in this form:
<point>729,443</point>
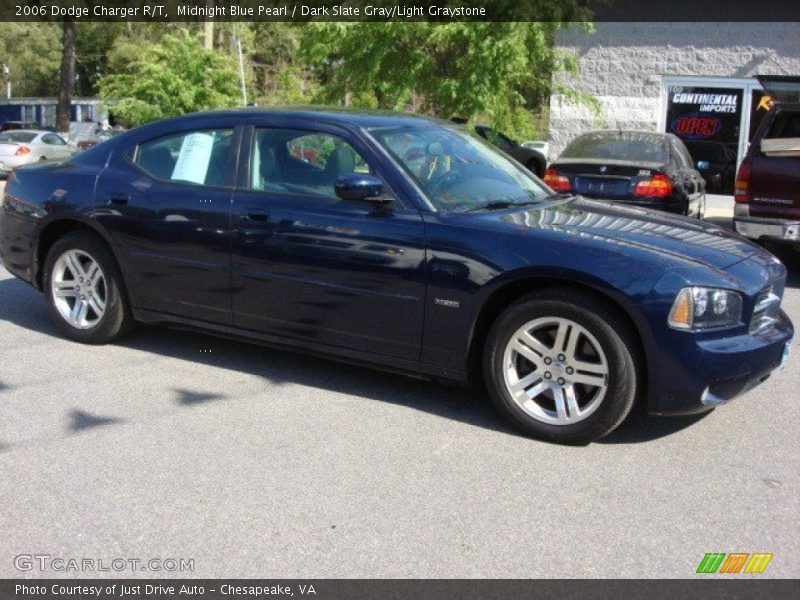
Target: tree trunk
<point>208,35</point>
<point>67,82</point>
<point>208,29</point>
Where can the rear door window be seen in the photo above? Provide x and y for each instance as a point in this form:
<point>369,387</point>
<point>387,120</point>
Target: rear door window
<point>196,157</point>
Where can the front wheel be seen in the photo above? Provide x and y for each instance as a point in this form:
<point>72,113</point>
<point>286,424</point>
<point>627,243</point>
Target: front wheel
<point>559,366</point>
<point>84,291</point>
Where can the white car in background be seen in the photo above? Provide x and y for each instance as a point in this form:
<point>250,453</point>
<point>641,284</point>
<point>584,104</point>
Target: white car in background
<point>24,146</point>
<point>543,147</point>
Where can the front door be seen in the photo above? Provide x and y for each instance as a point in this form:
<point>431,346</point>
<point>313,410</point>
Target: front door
<point>320,270</point>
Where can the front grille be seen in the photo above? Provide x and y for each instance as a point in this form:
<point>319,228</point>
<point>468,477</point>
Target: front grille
<point>766,308</point>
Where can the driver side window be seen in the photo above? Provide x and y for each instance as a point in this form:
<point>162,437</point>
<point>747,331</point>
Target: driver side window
<point>304,163</point>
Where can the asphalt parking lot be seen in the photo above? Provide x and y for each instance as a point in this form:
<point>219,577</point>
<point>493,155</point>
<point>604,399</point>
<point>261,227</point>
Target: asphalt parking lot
<point>256,462</point>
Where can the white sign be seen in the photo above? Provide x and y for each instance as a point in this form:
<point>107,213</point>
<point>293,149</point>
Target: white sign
<point>195,154</point>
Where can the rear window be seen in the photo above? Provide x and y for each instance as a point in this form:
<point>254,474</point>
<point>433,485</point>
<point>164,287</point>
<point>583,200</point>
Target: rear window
<point>786,125</point>
<point>24,137</point>
<point>619,145</point>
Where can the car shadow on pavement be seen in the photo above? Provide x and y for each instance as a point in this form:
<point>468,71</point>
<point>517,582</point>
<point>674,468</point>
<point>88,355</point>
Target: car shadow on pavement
<point>23,306</point>
<point>281,367</point>
<point>640,426</point>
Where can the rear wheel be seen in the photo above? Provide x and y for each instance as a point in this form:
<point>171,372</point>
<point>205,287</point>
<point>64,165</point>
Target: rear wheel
<point>559,366</point>
<point>84,291</point>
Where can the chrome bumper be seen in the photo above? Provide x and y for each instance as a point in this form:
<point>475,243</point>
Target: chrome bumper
<point>776,229</point>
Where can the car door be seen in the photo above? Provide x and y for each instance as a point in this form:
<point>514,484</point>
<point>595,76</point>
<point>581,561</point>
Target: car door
<point>311,267</point>
<point>54,146</point>
<point>165,201</point>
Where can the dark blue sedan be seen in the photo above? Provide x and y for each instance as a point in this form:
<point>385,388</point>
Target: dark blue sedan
<point>402,242</point>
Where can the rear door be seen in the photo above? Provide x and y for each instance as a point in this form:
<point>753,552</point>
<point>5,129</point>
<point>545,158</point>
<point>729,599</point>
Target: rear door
<point>54,146</point>
<point>309,266</point>
<point>166,202</point>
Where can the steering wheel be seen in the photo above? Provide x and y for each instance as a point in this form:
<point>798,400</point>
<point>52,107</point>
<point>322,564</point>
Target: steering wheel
<point>443,182</point>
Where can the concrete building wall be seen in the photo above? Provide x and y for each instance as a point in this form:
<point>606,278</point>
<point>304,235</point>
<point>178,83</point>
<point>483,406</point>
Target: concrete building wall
<point>622,65</point>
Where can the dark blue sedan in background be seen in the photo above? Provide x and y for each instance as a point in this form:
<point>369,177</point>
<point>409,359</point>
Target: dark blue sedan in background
<point>402,242</point>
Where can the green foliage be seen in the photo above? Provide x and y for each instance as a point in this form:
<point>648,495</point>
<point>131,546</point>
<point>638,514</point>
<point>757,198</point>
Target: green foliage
<point>32,52</point>
<point>501,73</point>
<point>171,77</point>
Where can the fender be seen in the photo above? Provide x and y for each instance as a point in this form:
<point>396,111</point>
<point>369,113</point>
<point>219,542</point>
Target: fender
<point>56,219</point>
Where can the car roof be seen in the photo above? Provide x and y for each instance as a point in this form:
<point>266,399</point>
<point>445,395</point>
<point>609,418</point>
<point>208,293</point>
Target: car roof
<point>620,131</point>
<point>335,115</point>
<point>34,131</point>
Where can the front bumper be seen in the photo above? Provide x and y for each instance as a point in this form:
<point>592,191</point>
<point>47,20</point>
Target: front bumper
<point>757,228</point>
<point>704,373</point>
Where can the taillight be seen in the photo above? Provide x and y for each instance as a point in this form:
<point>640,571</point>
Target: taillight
<point>658,186</point>
<point>556,180</point>
<point>741,189</point>
<point>22,151</point>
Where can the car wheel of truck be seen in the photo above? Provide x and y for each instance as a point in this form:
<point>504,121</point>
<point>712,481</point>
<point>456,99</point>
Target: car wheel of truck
<point>84,291</point>
<point>559,366</point>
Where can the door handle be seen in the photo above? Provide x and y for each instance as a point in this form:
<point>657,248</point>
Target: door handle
<point>118,198</point>
<point>255,214</point>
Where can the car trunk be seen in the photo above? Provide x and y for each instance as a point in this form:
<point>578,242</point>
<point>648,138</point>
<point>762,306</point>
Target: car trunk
<point>598,178</point>
<point>8,148</point>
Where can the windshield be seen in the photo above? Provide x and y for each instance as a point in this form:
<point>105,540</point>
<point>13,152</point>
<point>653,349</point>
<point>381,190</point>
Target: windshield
<point>619,145</point>
<point>17,136</point>
<point>458,171</point>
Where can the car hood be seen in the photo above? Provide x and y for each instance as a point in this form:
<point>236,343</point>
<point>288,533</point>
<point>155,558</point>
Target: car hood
<point>663,233</point>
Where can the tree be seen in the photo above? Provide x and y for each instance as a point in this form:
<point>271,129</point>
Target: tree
<point>502,72</point>
<point>32,52</point>
<point>67,79</point>
<point>172,77</point>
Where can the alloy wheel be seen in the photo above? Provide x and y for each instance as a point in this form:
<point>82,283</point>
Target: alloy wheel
<point>555,370</point>
<point>79,289</point>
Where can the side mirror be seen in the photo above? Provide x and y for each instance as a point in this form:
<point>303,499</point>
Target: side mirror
<point>360,186</point>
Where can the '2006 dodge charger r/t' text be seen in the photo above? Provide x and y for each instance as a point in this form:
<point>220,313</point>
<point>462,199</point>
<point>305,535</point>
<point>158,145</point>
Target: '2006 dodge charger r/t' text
<point>403,242</point>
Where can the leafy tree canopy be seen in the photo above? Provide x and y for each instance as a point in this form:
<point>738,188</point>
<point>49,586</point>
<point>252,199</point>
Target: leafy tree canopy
<point>176,75</point>
<point>498,72</point>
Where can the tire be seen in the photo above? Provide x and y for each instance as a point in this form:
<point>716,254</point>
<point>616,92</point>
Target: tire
<point>107,315</point>
<point>602,360</point>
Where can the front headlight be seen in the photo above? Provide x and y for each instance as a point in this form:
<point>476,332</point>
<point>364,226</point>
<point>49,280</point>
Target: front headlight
<point>705,308</point>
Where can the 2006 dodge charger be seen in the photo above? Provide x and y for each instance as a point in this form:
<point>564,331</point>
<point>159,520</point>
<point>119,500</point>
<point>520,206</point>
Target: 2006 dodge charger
<point>403,242</point>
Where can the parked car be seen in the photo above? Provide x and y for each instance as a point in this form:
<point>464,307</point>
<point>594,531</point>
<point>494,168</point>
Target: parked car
<point>533,158</point>
<point>12,125</point>
<point>716,162</point>
<point>408,244</point>
<point>97,137</point>
<point>23,146</point>
<point>542,147</point>
<point>640,168</point>
<point>767,190</point>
